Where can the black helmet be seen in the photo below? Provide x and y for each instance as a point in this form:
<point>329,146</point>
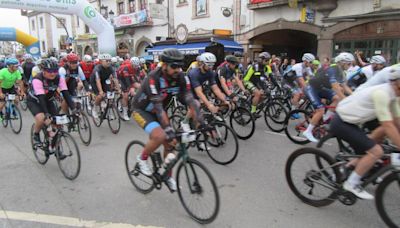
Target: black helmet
<point>238,54</point>
<point>49,64</point>
<point>172,56</point>
<point>231,59</point>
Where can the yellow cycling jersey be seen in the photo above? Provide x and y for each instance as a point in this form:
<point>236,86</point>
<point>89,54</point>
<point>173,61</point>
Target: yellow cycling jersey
<point>257,72</point>
<point>194,64</point>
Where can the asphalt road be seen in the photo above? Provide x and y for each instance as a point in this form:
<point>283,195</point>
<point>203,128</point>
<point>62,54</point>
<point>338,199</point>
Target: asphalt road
<point>253,189</point>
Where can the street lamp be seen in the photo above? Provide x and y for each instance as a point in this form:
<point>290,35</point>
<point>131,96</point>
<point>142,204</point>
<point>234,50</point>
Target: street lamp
<point>111,14</point>
<point>103,10</point>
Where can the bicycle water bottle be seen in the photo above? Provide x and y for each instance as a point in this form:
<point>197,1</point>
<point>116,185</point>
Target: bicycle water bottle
<point>51,133</point>
<point>168,160</point>
<point>157,158</point>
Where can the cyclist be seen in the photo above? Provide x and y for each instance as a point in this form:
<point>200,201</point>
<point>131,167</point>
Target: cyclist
<point>87,66</point>
<point>194,64</point>
<point>379,78</point>
<point>114,62</point>
<point>36,69</point>
<point>10,76</point>
<point>327,84</point>
<point>128,76</point>
<point>41,94</point>
<point>27,67</point>
<point>381,102</point>
<point>157,89</point>
<point>377,63</point>
<point>227,74</point>
<point>74,77</point>
<point>255,74</point>
<point>204,73</point>
<point>100,80</point>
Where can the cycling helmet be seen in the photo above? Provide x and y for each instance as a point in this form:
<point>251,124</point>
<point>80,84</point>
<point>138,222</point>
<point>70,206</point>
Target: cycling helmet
<point>344,57</point>
<point>49,64</point>
<point>12,61</point>
<point>43,55</point>
<point>142,61</point>
<point>394,73</point>
<point>238,54</point>
<point>264,55</point>
<point>71,57</point>
<point>105,56</point>
<point>231,59</point>
<point>114,60</point>
<point>87,58</point>
<point>135,61</point>
<point>378,59</point>
<point>28,56</point>
<point>208,58</point>
<point>172,56</point>
<point>39,61</point>
<point>308,57</point>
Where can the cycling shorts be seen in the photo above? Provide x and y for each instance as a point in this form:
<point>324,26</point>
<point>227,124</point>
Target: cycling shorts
<point>146,120</point>
<point>316,95</point>
<point>36,108</point>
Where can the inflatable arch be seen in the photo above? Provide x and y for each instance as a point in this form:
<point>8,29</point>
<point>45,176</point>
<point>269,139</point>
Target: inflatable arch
<point>31,44</point>
<point>83,9</point>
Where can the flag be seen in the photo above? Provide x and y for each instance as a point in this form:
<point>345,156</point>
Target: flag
<point>293,3</point>
<point>303,14</point>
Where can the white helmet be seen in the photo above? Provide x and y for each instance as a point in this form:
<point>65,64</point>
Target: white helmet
<point>208,58</point>
<point>105,56</point>
<point>344,57</point>
<point>308,57</point>
<point>28,56</point>
<point>142,61</point>
<point>120,59</point>
<point>394,73</point>
<point>114,60</point>
<point>53,59</point>
<point>378,59</point>
<point>38,61</point>
<point>87,58</point>
<point>264,55</point>
<point>135,61</point>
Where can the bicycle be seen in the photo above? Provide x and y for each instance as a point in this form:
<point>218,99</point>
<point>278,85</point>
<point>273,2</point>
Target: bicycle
<point>108,111</point>
<point>120,109</point>
<point>59,143</point>
<point>80,123</point>
<point>328,174</point>
<point>11,114</point>
<point>190,173</point>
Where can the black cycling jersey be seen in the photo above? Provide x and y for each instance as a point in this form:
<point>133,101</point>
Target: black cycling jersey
<point>27,68</point>
<point>325,78</point>
<point>99,72</point>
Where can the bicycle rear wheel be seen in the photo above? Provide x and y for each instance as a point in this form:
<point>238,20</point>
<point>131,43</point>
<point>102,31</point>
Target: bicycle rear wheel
<point>84,129</point>
<point>312,177</point>
<point>224,142</point>
<point>68,156</point>
<point>114,122</point>
<point>242,122</point>
<point>295,124</point>
<point>15,119</point>
<point>5,117</point>
<point>197,190</point>
<point>38,150</point>
<point>141,182</point>
<point>275,115</point>
<point>23,104</point>
<point>387,200</point>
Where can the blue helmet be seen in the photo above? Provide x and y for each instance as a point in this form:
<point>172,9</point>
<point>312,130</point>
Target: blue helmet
<point>12,61</point>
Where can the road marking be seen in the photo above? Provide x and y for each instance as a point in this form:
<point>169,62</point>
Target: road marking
<point>65,221</point>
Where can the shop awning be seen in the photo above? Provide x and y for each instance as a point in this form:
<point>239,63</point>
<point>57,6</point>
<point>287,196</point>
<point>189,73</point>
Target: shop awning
<point>196,48</point>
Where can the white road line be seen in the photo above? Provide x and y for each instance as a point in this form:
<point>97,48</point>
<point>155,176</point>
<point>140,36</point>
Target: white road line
<point>61,220</point>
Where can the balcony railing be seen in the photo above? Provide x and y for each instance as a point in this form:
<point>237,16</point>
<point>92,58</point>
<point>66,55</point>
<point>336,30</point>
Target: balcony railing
<point>259,4</point>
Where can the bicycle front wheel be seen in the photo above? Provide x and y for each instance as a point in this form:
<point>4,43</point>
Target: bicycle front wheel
<point>274,115</point>
<point>387,200</point>
<point>38,150</point>
<point>224,144</point>
<point>84,129</point>
<point>242,122</point>
<point>296,123</point>
<point>15,118</point>
<point>197,191</point>
<point>68,156</point>
<point>23,104</point>
<point>114,122</point>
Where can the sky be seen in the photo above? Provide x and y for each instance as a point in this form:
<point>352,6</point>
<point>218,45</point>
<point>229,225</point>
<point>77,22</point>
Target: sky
<point>13,18</point>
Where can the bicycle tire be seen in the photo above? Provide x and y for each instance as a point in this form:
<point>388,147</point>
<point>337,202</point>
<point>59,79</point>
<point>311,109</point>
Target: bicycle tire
<point>115,117</point>
<point>221,142</point>
<point>318,154</point>
<point>295,138</point>
<point>119,108</point>
<point>379,198</point>
<point>43,157</point>
<point>23,104</point>
<point>60,146</point>
<point>4,121</point>
<point>270,116</point>
<point>236,116</point>
<point>87,126</point>
<point>134,170</point>
<point>14,128</point>
<point>99,120</point>
<point>186,167</point>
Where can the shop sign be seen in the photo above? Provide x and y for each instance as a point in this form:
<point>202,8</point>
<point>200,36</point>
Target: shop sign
<point>130,19</point>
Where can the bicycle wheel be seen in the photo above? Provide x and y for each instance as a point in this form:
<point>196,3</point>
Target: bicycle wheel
<point>114,122</point>
<point>387,200</point>
<point>40,154</point>
<point>84,129</point>
<point>197,190</point>
<point>275,115</point>
<point>242,122</point>
<point>99,120</point>
<point>175,121</point>
<point>311,184</point>
<point>142,183</point>
<point>15,119</point>
<point>4,121</point>
<point>224,142</point>
<point>68,156</point>
<point>119,108</point>
<point>23,104</point>
<point>295,124</point>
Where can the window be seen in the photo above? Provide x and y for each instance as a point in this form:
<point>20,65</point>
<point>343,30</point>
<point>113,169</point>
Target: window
<point>200,8</point>
<point>43,46</point>
<point>121,9</point>
<point>132,6</point>
<point>61,22</point>
<point>41,22</point>
<point>142,4</point>
<point>87,29</point>
<point>33,25</point>
<point>182,2</point>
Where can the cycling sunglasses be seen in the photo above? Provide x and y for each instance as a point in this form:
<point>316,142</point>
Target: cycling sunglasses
<point>74,62</point>
<point>51,71</point>
<point>175,65</point>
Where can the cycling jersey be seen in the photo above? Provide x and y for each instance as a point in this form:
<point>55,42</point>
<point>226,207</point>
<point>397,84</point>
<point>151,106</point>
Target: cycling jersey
<point>325,78</point>
<point>87,69</point>
<point>379,78</point>
<point>103,74</point>
<point>8,79</point>
<point>128,75</point>
<point>71,77</point>
<point>228,74</point>
<point>198,78</point>
<point>27,69</point>
<point>301,70</point>
<point>368,71</point>
<point>193,65</point>
<point>256,71</point>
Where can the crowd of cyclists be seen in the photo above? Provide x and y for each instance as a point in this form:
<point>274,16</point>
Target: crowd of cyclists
<point>348,92</point>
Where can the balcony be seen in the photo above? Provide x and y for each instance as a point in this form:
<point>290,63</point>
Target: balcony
<point>259,4</point>
<point>322,6</point>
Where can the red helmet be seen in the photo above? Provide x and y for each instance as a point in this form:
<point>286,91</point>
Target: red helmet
<point>71,57</point>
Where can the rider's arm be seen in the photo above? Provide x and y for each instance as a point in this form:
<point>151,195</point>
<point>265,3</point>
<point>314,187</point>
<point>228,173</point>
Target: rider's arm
<point>98,82</point>
<point>218,93</point>
<point>62,85</point>
<point>189,100</point>
<point>332,75</point>
<point>39,92</point>
<point>338,90</point>
<point>224,86</point>
<point>158,109</point>
<point>199,92</point>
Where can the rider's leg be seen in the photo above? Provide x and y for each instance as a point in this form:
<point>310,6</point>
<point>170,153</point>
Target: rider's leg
<point>256,99</point>
<point>39,121</point>
<point>64,107</point>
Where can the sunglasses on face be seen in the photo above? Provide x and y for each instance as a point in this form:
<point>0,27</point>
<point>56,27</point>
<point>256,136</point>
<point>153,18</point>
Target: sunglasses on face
<point>175,66</point>
<point>51,71</point>
<point>74,62</point>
